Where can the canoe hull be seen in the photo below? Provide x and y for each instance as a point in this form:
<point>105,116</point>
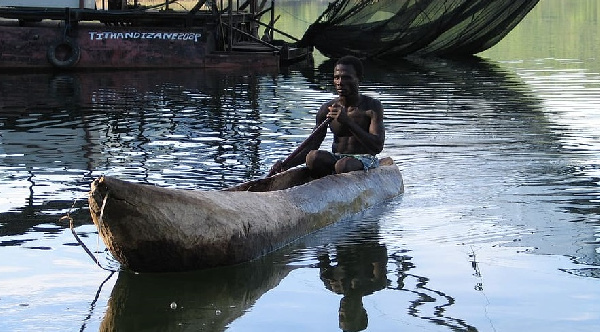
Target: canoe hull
<point>151,229</point>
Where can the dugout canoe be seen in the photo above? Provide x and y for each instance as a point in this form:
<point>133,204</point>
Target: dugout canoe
<point>154,229</point>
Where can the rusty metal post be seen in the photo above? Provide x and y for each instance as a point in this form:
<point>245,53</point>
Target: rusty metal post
<point>230,46</point>
<point>272,19</point>
<point>253,25</point>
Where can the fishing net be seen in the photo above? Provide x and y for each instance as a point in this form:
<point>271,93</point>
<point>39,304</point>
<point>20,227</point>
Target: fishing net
<point>398,28</point>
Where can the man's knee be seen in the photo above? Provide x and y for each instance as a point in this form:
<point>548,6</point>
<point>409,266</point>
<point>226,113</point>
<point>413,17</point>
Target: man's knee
<point>348,164</point>
<point>321,163</point>
<point>311,158</point>
<point>318,157</point>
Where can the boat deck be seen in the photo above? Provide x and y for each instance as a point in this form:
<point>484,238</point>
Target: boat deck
<point>123,17</point>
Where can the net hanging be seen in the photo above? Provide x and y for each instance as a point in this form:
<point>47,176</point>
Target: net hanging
<point>399,28</point>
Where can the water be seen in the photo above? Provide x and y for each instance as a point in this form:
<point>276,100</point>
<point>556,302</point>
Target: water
<point>497,231</point>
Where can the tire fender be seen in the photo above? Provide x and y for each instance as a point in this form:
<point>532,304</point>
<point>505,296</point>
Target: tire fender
<point>74,53</point>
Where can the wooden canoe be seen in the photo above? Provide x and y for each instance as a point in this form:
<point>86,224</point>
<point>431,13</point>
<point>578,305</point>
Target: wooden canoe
<point>153,229</point>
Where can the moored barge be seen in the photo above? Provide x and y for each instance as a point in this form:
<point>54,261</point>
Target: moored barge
<point>76,34</point>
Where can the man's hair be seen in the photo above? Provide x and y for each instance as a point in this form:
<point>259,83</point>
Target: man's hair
<point>353,61</point>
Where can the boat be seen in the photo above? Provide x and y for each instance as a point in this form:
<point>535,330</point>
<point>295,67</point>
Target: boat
<point>392,29</point>
<point>148,228</point>
<point>76,34</point>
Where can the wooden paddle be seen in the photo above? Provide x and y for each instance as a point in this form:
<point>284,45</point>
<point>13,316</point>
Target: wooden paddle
<point>301,147</point>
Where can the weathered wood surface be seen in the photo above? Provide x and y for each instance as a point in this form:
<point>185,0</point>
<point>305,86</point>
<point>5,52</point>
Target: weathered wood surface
<point>148,228</point>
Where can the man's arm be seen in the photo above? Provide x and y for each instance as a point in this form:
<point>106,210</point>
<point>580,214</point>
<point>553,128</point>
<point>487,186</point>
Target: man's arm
<point>314,142</point>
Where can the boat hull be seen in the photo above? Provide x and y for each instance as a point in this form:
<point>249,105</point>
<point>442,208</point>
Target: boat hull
<point>96,46</point>
<point>151,229</point>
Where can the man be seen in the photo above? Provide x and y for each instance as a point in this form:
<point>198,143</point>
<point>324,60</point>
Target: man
<point>356,123</point>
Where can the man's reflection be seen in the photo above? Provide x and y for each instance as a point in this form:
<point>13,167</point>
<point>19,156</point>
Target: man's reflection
<point>360,271</point>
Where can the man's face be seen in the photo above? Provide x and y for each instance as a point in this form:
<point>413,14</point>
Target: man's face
<point>345,80</point>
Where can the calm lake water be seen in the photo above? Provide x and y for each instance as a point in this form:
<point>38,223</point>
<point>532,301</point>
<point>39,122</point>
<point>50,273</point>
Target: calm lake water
<point>498,230</point>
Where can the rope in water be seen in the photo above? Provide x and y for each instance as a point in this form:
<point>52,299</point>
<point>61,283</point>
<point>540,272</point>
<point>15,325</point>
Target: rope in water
<point>81,243</point>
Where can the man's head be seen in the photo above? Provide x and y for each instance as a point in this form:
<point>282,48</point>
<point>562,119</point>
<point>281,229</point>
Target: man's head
<point>347,73</point>
<point>353,61</point>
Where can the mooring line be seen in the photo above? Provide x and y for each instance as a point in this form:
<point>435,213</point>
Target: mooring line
<point>94,301</point>
<point>88,251</point>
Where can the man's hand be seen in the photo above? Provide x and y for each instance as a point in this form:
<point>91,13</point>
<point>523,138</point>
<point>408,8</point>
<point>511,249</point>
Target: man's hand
<point>276,168</point>
<point>339,113</point>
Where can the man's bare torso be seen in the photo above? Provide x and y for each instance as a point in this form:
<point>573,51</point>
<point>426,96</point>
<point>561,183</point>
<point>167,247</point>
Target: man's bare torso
<point>344,141</point>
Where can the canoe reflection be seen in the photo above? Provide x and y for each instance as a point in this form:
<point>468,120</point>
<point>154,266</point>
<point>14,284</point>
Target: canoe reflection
<point>197,301</point>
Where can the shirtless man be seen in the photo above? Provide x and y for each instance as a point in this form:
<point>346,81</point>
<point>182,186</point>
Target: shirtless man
<point>357,126</point>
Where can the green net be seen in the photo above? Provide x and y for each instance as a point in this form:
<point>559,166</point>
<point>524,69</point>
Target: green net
<point>398,28</point>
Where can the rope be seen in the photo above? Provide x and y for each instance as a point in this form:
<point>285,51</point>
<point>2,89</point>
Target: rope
<point>292,15</point>
<point>88,251</point>
<point>94,301</point>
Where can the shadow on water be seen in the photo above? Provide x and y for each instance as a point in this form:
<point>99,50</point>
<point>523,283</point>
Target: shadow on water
<point>354,266</point>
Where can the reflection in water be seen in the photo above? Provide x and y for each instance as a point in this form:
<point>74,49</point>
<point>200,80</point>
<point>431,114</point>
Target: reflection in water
<point>426,296</point>
<point>194,301</point>
<point>357,267</point>
<point>359,270</point>
<point>91,121</point>
<point>202,126</point>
